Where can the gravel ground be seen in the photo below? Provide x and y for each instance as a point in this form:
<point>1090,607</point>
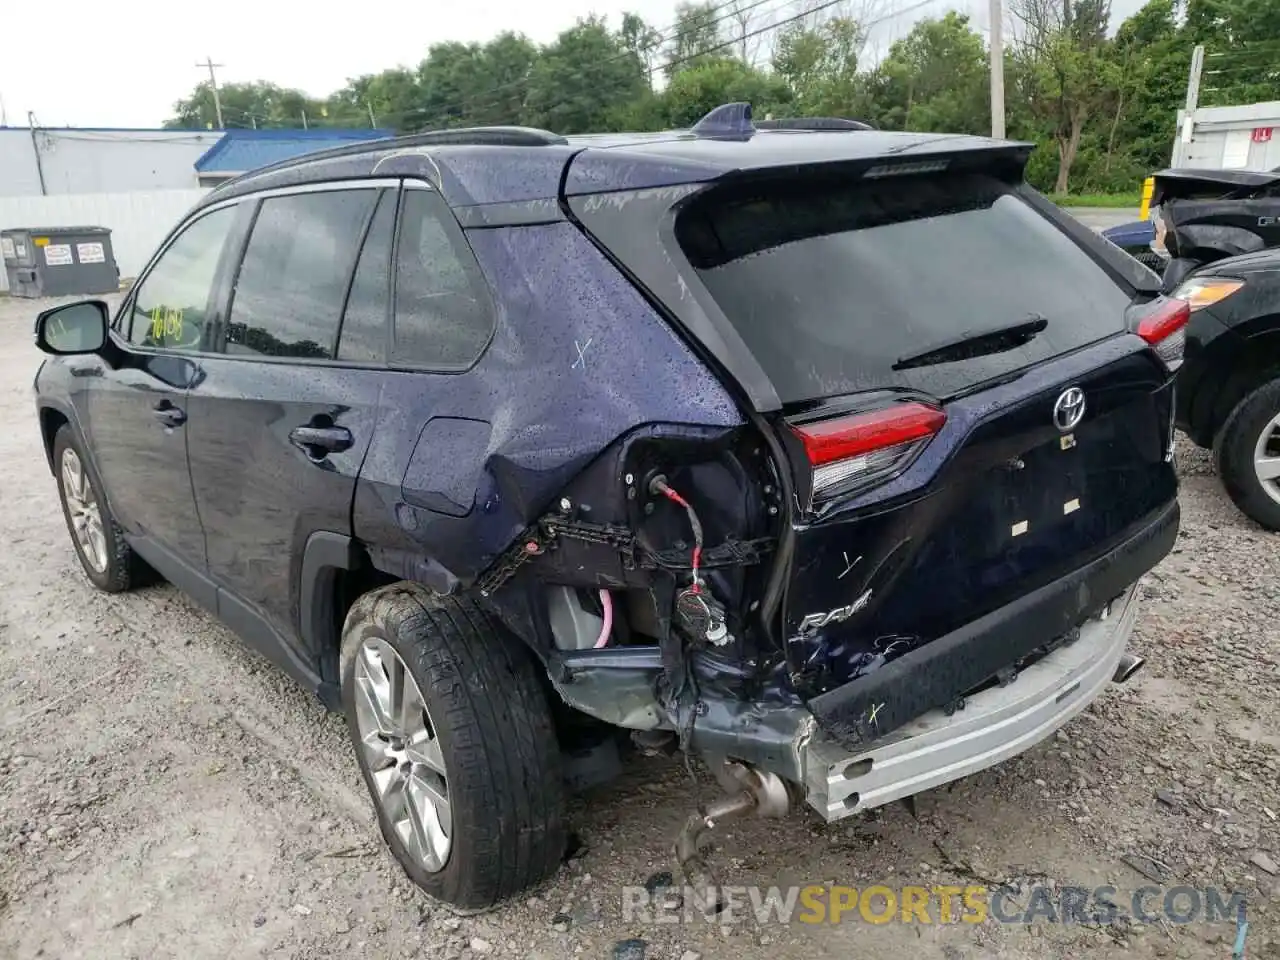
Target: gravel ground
<point>163,792</point>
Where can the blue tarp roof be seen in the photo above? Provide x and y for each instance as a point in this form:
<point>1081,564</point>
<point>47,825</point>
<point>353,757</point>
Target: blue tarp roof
<point>242,150</point>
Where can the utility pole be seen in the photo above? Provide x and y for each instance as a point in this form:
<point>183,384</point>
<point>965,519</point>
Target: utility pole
<point>304,120</point>
<point>4,117</point>
<point>213,82</point>
<point>997,68</point>
<point>1193,100</point>
<point>373,121</point>
<point>35,148</point>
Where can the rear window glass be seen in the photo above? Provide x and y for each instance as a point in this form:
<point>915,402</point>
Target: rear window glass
<point>833,283</point>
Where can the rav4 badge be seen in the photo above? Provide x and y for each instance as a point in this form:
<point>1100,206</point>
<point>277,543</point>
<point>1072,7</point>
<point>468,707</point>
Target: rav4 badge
<point>816,621</point>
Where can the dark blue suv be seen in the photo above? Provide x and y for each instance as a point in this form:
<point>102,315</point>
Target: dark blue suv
<point>827,455</point>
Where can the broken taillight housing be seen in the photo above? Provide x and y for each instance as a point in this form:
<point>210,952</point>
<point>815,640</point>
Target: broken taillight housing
<point>1165,328</point>
<point>852,452</point>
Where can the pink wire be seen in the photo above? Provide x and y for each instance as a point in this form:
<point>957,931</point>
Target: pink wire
<point>606,602</point>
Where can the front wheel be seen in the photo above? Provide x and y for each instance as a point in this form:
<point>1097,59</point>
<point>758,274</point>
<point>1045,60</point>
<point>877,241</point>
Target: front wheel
<point>108,561</point>
<point>455,741</point>
<point>1248,455</point>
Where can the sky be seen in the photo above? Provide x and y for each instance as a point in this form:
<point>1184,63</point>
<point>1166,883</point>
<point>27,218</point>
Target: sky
<point>123,63</point>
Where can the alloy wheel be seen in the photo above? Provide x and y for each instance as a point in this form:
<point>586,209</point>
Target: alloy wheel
<point>82,507</point>
<point>1266,458</point>
<point>403,754</point>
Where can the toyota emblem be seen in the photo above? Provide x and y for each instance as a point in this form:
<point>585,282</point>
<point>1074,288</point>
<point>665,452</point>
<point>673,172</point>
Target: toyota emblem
<point>1069,410</point>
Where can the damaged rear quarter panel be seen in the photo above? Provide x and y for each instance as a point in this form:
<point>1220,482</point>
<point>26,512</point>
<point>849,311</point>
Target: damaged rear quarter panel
<point>578,358</point>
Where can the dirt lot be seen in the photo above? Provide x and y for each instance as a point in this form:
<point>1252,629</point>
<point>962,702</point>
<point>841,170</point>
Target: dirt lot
<point>163,792</point>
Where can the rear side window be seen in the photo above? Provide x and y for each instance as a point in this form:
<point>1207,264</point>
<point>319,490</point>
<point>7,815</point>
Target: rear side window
<point>288,296</point>
<point>833,283</point>
<point>444,314</point>
<point>364,324</point>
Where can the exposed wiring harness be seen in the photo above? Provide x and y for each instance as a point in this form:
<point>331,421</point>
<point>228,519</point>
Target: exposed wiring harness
<point>659,485</point>
<point>697,609</point>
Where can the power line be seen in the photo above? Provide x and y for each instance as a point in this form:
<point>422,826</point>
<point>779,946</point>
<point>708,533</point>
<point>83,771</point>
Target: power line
<point>1255,46</point>
<point>1248,57</point>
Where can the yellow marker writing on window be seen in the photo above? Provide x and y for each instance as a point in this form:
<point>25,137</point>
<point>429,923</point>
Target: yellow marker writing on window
<point>166,325</point>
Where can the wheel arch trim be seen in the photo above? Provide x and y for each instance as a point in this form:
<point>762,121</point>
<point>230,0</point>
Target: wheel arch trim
<point>325,554</point>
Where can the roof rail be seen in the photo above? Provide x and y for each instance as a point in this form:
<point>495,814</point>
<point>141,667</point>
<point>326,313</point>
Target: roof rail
<point>485,136</point>
<point>812,123</point>
<point>478,136</point>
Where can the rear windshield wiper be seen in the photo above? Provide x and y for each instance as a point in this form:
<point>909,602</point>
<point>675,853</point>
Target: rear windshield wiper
<point>970,345</point>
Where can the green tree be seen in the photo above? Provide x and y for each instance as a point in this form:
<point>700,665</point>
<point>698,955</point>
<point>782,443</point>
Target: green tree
<point>391,98</point>
<point>1063,71</point>
<point>694,92</point>
<point>936,78</point>
<point>696,37</point>
<point>579,82</point>
<point>259,104</point>
<point>641,39</point>
<point>506,63</point>
<point>819,65</point>
<point>450,80</point>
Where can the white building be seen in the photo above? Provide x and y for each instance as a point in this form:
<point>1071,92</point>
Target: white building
<point>136,183</point>
<point>58,161</point>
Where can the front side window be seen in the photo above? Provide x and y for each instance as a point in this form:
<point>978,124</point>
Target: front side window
<point>444,314</point>
<point>170,304</point>
<point>289,292</point>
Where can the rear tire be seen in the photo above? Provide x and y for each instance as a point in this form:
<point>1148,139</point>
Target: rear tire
<point>1248,455</point>
<point>484,755</point>
<point>108,560</point>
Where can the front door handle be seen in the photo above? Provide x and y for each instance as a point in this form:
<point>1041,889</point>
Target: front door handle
<point>318,442</point>
<point>168,414</point>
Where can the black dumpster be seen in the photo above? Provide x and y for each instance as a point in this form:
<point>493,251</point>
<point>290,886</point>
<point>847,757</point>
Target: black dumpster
<point>59,261</point>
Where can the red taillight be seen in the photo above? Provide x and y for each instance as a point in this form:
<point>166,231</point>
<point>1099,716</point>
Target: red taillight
<point>851,451</point>
<point>1165,329</point>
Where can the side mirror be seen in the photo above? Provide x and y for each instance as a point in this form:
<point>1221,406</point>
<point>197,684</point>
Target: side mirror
<point>73,328</point>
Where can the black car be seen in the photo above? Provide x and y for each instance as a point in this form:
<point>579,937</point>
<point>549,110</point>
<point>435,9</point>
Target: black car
<point>830,456</point>
<point>1220,230</point>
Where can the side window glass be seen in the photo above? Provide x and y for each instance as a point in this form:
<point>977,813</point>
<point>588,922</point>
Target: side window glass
<point>364,325</point>
<point>444,314</point>
<point>169,306</point>
<point>288,295</point>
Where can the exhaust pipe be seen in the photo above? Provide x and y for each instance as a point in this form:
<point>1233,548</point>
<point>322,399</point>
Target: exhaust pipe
<point>759,792</point>
<point>1126,667</point>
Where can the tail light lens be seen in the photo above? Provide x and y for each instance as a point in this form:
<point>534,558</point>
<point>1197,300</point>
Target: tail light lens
<point>851,452</point>
<point>1165,328</point>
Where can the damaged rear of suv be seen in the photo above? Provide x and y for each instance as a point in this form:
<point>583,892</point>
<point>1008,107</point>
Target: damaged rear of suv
<point>917,555</point>
<point>830,456</point>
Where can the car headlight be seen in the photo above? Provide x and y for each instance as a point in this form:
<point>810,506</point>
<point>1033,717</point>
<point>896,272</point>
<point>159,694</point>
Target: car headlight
<point>1201,292</point>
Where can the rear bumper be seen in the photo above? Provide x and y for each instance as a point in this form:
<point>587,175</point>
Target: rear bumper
<point>993,725</point>
<point>936,674</point>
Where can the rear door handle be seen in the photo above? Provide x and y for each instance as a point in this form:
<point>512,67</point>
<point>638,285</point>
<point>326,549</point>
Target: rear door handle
<point>168,414</point>
<point>318,442</point>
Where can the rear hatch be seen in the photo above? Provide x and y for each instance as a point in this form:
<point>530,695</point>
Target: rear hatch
<point>1212,185</point>
<point>967,412</point>
<point>1205,215</point>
